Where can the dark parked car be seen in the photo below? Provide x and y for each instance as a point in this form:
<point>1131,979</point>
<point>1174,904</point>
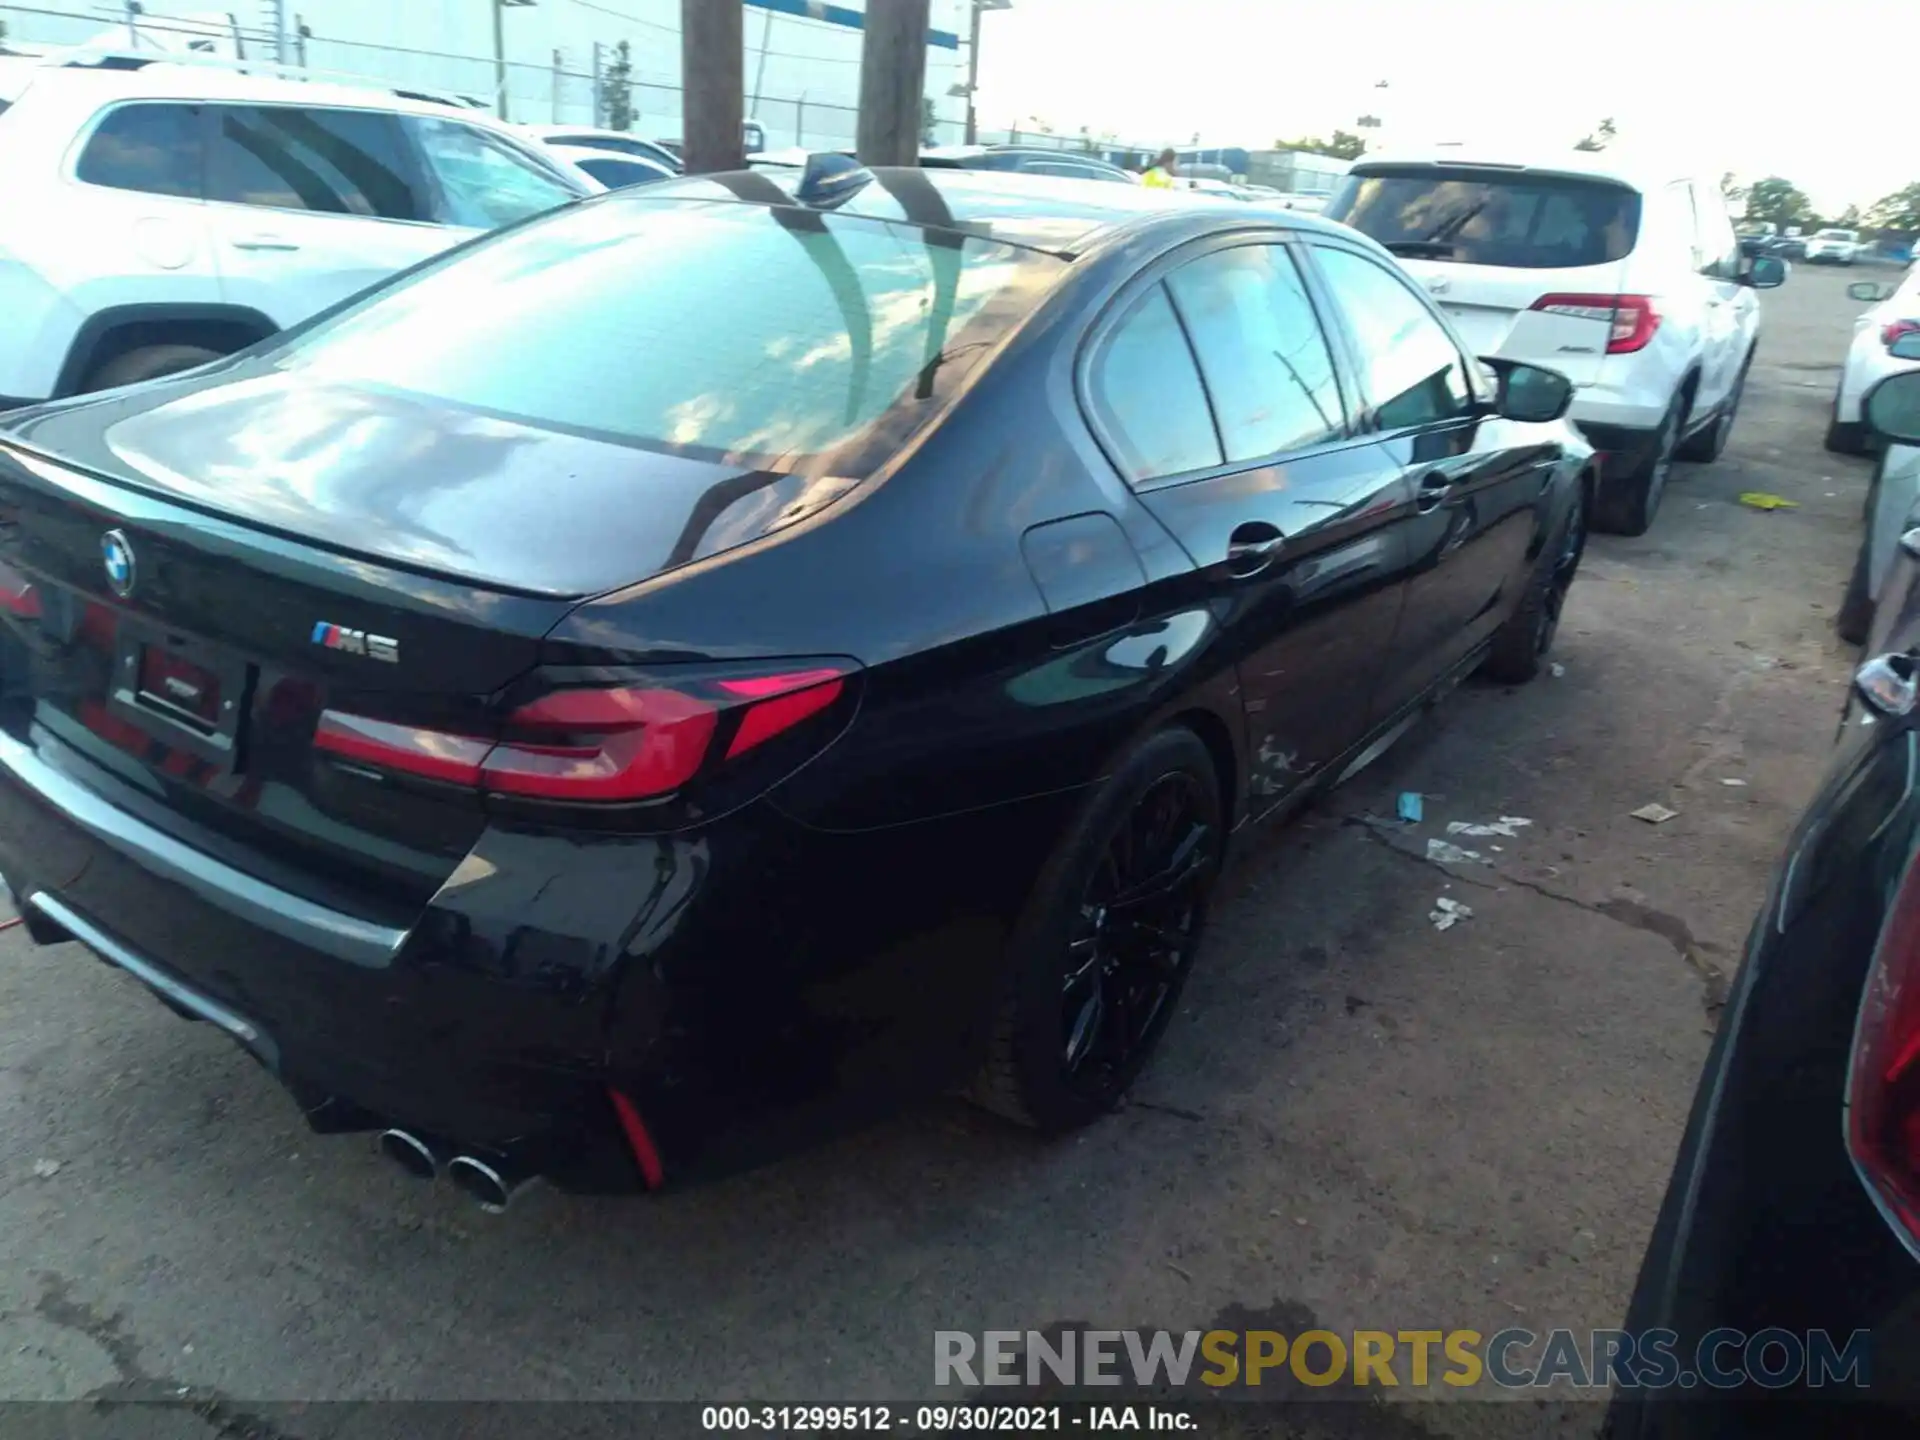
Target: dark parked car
<point>618,729</point>
<point>1795,1201</point>
<point>1026,161</point>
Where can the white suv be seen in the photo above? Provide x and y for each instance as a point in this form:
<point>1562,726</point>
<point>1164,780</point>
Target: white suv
<point>1628,282</point>
<point>1833,247</point>
<point>159,217</point>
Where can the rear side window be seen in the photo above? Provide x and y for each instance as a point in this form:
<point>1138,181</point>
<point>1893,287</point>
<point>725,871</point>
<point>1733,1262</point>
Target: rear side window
<point>1414,372</point>
<point>1147,394</point>
<point>616,173</point>
<point>781,336</point>
<point>1521,222</point>
<point>151,148</point>
<point>1265,360</point>
<point>337,162</point>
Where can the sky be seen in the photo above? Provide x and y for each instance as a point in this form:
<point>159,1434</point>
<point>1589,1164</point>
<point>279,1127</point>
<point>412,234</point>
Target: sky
<point>1807,92</point>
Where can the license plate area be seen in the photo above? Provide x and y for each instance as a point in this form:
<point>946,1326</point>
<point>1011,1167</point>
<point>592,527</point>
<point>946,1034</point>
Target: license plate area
<point>181,692</point>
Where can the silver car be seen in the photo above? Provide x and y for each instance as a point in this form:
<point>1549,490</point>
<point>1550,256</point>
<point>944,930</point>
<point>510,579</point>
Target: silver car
<point>1893,499</point>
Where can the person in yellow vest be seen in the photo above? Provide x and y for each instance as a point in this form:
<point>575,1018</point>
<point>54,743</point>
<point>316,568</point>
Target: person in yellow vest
<point>1160,177</point>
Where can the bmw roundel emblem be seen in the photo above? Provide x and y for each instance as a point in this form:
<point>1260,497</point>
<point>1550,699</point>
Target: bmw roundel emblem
<point>116,554</point>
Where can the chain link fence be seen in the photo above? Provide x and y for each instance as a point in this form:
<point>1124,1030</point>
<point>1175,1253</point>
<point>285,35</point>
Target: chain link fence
<point>565,91</point>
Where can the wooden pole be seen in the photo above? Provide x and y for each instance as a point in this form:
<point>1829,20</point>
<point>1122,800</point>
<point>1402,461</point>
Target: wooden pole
<point>713,65</point>
<point>893,75</point>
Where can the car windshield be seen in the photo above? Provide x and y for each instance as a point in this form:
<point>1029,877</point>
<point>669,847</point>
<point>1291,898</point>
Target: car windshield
<point>783,336</point>
<point>1488,218</point>
<point>1847,235</point>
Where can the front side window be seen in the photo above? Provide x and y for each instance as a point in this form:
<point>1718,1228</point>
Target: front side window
<point>151,148</point>
<point>774,344</point>
<point>1147,394</point>
<point>1412,369</point>
<point>334,162</point>
<point>484,182</point>
<point>1261,350</point>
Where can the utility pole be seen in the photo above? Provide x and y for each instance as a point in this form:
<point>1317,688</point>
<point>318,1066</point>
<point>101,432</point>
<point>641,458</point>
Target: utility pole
<point>979,7</point>
<point>557,62</point>
<point>500,52</point>
<point>713,76</point>
<point>133,24</point>
<point>893,77</point>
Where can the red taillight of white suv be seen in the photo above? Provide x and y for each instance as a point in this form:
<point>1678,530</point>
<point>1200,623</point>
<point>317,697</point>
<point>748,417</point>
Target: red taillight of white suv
<point>1632,317</point>
<point>1883,1085</point>
<point>1895,329</point>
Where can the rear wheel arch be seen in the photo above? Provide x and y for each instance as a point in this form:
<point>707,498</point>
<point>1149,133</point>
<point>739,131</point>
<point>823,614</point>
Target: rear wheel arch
<point>1217,736</point>
<point>109,334</point>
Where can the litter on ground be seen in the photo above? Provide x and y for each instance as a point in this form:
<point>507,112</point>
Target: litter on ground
<point>1556,669</point>
<point>1410,808</point>
<point>1654,814</point>
<point>1441,853</point>
<point>1507,825</point>
<point>1730,781</point>
<point>1761,500</point>
<point>1448,912</point>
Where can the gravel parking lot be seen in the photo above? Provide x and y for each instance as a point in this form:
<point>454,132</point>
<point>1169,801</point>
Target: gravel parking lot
<point>1359,1120</point>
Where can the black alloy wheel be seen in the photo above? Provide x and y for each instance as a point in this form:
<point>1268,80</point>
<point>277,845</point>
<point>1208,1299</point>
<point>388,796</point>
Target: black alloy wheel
<point>1096,965</point>
<point>1138,928</point>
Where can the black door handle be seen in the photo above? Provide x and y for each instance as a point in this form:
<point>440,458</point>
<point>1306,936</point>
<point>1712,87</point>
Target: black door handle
<point>1434,488</point>
<point>1252,547</point>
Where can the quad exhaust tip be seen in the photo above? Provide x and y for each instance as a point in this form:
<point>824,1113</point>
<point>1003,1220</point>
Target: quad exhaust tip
<point>410,1153</point>
<point>480,1182</point>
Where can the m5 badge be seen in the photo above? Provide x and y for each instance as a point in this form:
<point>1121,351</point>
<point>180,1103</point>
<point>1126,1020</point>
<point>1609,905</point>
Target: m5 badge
<point>356,642</point>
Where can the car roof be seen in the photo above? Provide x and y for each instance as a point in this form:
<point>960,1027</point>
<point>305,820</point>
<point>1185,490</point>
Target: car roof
<point>1042,212</point>
<point>163,80</point>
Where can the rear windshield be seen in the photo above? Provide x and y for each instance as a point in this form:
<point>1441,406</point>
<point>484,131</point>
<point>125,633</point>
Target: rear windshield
<point>722,331</point>
<point>1529,223</point>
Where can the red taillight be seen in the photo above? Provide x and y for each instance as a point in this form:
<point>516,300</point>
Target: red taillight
<point>1894,329</point>
<point>602,744</point>
<point>1632,318</point>
<point>645,1153</point>
<point>1883,1086</point>
<point>17,594</point>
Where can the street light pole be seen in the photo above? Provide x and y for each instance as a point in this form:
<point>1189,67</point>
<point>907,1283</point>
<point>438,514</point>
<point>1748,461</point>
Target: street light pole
<point>979,8</point>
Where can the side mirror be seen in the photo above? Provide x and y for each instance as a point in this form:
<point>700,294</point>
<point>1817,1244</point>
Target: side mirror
<point>1530,394</point>
<point>1892,407</point>
<point>1869,292</point>
<point>1765,272</point>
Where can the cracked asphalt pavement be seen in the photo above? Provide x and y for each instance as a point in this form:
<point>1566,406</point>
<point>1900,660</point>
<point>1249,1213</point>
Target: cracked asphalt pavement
<point>1358,1120</point>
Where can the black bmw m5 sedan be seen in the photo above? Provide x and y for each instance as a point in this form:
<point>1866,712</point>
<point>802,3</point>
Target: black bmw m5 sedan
<point>706,665</point>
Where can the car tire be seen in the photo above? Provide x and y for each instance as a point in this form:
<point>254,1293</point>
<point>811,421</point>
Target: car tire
<point>1709,444</point>
<point>1856,606</point>
<point>1628,503</point>
<point>1077,966</point>
<point>1846,437</point>
<point>149,362</point>
<point>1521,644</point>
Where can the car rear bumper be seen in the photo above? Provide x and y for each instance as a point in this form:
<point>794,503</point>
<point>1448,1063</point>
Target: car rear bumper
<point>747,986</point>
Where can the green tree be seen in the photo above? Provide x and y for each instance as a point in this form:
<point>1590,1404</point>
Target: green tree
<point>1779,202</point>
<point>1898,212</point>
<point>1343,146</point>
<point>616,88</point>
<point>929,122</point>
<point>1734,193</point>
<point>1600,139</point>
